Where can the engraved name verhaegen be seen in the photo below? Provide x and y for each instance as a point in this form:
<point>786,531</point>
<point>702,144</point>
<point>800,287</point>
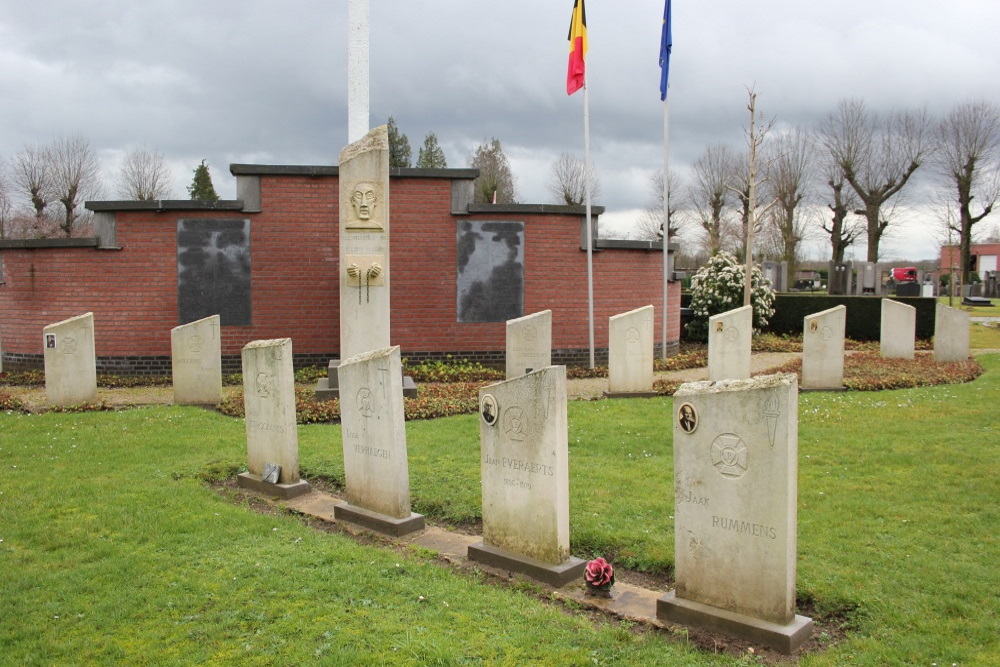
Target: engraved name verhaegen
<point>375,452</point>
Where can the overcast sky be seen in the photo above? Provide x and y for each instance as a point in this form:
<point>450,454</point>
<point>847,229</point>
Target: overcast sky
<point>266,82</point>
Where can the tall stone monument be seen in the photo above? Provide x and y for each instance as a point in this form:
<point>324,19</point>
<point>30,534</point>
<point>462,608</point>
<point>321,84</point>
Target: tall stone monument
<point>735,520</point>
<point>272,435</point>
<point>525,478</point>
<point>70,361</point>
<point>374,441</point>
<point>729,337</point>
<point>897,335</point>
<point>951,334</point>
<point>630,353</point>
<point>529,343</point>
<point>196,361</point>
<point>823,349</point>
<point>364,253</point>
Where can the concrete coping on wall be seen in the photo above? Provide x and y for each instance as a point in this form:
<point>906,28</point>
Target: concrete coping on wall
<point>86,242</point>
<point>329,170</point>
<point>166,205</point>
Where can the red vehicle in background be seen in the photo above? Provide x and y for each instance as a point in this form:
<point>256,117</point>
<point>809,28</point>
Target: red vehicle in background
<point>907,274</point>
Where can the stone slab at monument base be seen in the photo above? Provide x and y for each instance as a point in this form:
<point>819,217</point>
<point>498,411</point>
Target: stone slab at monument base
<point>630,394</point>
<point>547,573</point>
<point>328,388</point>
<point>380,523</point>
<point>286,491</point>
<point>782,638</point>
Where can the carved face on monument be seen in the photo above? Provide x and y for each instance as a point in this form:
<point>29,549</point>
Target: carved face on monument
<point>363,200</point>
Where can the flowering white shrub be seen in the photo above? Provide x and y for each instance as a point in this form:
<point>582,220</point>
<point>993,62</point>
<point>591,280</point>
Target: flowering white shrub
<point>718,287</point>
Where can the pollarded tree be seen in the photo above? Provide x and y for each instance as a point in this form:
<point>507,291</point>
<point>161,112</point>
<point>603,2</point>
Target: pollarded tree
<point>710,193</point>
<point>430,155</point>
<point>399,146</point>
<point>967,157</point>
<point>495,183</point>
<point>6,208</point>
<point>790,180</point>
<point>201,187</point>
<point>143,175</point>
<point>877,154</point>
<point>31,175</point>
<point>75,177</point>
<point>845,226</point>
<point>650,224</point>
<point>568,184</point>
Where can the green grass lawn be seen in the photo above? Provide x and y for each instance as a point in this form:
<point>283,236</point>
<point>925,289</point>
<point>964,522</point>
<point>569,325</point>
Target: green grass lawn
<point>114,550</point>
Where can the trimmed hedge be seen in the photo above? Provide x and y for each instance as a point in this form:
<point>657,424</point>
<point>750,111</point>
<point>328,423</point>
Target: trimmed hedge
<point>864,314</point>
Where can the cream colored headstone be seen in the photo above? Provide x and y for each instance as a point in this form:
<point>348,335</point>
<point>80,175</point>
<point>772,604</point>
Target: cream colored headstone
<point>823,349</point>
<point>729,337</point>
<point>269,401</point>
<point>70,361</point>
<point>735,496</point>
<point>525,476</point>
<point>951,334</point>
<point>898,331</point>
<point>374,433</point>
<point>196,360</point>
<point>529,343</point>
<point>630,351</point>
<point>364,244</point>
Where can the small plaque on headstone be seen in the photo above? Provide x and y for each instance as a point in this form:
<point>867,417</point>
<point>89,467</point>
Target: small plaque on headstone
<point>271,473</point>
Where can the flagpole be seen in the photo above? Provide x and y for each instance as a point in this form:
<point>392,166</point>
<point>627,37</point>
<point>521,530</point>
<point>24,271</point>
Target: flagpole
<point>666,219</point>
<point>590,239</point>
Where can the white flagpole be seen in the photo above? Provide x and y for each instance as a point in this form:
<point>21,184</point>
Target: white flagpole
<point>666,220</point>
<point>590,239</point>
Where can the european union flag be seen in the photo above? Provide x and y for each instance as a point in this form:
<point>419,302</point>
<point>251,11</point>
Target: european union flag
<point>666,42</point>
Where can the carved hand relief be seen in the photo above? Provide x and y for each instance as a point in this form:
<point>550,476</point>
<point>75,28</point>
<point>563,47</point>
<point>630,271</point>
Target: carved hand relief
<point>729,455</point>
<point>687,418</point>
<point>364,207</point>
<point>365,270</point>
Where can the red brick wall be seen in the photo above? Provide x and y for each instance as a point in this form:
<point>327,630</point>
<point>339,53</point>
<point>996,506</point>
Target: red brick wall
<point>294,249</point>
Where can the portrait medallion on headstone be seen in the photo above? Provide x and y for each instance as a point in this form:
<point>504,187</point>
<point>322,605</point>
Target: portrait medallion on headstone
<point>488,409</point>
<point>687,418</point>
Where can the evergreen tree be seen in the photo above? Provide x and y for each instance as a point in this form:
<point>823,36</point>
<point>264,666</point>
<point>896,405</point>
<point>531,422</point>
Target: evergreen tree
<point>399,146</point>
<point>431,156</point>
<point>495,180</point>
<point>201,187</point>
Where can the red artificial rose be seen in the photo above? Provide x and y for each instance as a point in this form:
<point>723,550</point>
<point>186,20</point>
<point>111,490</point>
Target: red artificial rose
<point>599,574</point>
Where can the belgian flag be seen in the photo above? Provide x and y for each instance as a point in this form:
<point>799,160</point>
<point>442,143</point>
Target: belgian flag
<point>577,48</point>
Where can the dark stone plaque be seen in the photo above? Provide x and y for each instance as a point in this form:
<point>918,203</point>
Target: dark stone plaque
<point>490,271</point>
<point>213,270</point>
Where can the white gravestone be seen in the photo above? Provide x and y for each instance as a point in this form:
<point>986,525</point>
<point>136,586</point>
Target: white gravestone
<point>70,361</point>
<point>823,349</point>
<point>525,478</point>
<point>529,343</point>
<point>630,353</point>
<point>374,442</point>
<point>898,331</point>
<point>729,337</point>
<point>269,404</point>
<point>735,496</point>
<point>951,334</point>
<point>196,360</point>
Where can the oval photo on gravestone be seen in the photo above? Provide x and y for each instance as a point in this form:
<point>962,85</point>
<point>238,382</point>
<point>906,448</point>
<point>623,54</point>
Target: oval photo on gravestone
<point>488,409</point>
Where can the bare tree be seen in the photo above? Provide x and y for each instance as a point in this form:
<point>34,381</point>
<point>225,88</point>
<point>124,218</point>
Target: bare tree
<point>650,224</point>
<point>877,155</point>
<point>967,157</point>
<point>568,184</point>
<point>31,174</point>
<point>75,172</point>
<point>495,183</point>
<point>790,180</point>
<point>143,175</point>
<point>6,208</point>
<point>710,193</point>
<point>844,228</point>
